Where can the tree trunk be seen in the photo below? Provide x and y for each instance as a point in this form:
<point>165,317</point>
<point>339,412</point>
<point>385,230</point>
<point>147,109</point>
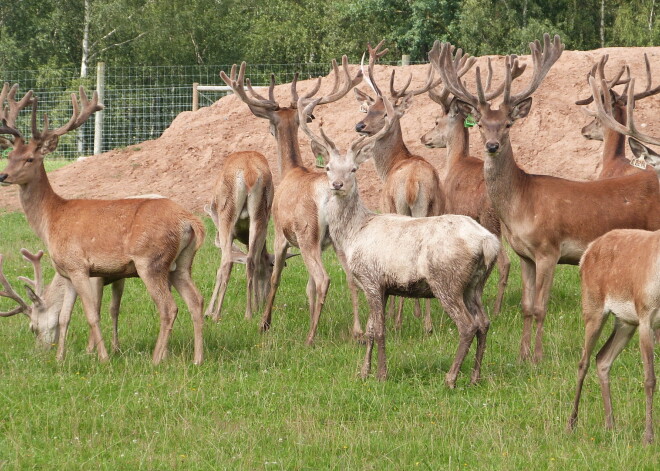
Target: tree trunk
<point>602,23</point>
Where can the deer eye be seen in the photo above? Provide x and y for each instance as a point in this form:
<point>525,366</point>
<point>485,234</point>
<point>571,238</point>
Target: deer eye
<point>30,159</point>
<point>353,170</point>
<point>327,168</point>
<point>509,124</point>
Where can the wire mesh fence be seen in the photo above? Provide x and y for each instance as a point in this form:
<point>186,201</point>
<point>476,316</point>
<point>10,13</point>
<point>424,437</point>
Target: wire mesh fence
<point>140,102</point>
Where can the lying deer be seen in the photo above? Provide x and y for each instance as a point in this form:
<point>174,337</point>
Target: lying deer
<point>465,189</point>
<point>155,239</point>
<point>411,185</point>
<point>620,276</point>
<point>448,257</point>
<point>51,305</point>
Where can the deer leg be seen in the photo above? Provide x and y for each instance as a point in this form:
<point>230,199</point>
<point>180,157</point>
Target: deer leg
<point>379,334</point>
<point>428,322</point>
<point>374,297</point>
<point>97,283</point>
<point>594,322</point>
<point>480,318</point>
<point>183,283</point>
<point>256,245</point>
<point>64,319</point>
<point>117,292</point>
<point>352,288</point>
<point>220,287</point>
<point>528,275</point>
<point>398,322</point>
<point>545,270</point>
<point>620,337</point>
<point>280,247</point>
<point>312,258</point>
<point>646,347</point>
<point>503,266</point>
<point>88,295</point>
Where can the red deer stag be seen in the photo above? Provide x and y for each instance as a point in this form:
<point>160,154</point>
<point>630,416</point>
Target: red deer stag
<point>299,200</point>
<point>411,185</point>
<point>619,276</point>
<point>448,257</point>
<point>547,220</point>
<point>465,189</point>
<point>155,239</point>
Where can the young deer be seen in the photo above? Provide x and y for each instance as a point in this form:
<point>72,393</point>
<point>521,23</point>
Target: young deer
<point>547,220</point>
<point>448,257</point>
<point>155,239</point>
<point>299,200</point>
<point>411,185</point>
<point>615,162</point>
<point>619,276</point>
<point>53,302</point>
<point>465,190</point>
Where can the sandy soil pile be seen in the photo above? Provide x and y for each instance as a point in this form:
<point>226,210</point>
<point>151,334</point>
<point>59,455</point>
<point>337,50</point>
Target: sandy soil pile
<point>183,163</point>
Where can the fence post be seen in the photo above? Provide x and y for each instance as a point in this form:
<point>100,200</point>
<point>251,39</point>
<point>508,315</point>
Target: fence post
<point>195,97</point>
<point>405,59</point>
<point>98,116</point>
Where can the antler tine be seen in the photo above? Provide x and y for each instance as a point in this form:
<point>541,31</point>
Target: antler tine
<point>305,110</point>
<point>489,78</point>
<point>647,91</point>
<point>237,85</point>
<point>543,61</point>
<point>338,91</point>
<point>9,292</point>
<point>9,113</point>
<point>398,94</point>
<point>515,70</point>
<point>375,55</point>
<point>78,117</point>
<point>255,94</point>
<point>604,112</point>
<point>38,283</point>
<point>441,58</point>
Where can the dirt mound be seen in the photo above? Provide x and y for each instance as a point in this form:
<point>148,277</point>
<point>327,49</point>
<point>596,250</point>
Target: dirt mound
<point>182,164</point>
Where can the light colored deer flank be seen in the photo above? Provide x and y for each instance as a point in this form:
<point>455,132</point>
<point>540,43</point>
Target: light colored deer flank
<point>155,239</point>
<point>300,198</point>
<point>465,189</point>
<point>411,185</point>
<point>448,257</point>
<point>53,302</point>
<point>547,220</point>
<point>615,162</point>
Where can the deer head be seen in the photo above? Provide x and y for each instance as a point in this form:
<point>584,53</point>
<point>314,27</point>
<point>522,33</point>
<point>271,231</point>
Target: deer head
<point>26,160</point>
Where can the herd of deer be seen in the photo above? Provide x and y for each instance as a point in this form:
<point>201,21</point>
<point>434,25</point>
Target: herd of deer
<point>432,238</point>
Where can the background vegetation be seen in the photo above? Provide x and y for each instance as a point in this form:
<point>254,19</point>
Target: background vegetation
<point>54,34</point>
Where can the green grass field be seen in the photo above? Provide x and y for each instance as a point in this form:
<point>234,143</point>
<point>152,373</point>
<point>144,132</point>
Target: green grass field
<point>269,402</point>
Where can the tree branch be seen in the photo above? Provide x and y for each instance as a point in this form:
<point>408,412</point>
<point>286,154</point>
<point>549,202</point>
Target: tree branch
<point>92,56</point>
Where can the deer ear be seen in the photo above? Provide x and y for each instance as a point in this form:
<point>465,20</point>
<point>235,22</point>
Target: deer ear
<point>465,108</point>
<point>362,97</point>
<point>405,103</point>
<point>49,145</point>
<point>642,152</point>
<point>34,297</point>
<point>521,109</point>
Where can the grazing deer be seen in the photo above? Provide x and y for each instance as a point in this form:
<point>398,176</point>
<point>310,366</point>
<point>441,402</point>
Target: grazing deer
<point>448,257</point>
<point>50,311</point>
<point>619,276</point>
<point>411,185</point>
<point>300,198</point>
<point>546,220</point>
<point>615,162</point>
<point>465,189</point>
<point>155,239</point>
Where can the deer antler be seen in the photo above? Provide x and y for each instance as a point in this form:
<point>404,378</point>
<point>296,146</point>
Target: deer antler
<point>8,292</point>
<point>9,113</point>
<point>598,70</point>
<point>37,284</point>
<point>604,112</point>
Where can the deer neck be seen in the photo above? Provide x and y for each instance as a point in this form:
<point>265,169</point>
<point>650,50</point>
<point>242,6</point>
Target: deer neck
<point>505,181</point>
<point>39,200</point>
<point>346,215</point>
<point>614,143</point>
<point>458,144</point>
<point>388,151</point>
<point>288,150</point>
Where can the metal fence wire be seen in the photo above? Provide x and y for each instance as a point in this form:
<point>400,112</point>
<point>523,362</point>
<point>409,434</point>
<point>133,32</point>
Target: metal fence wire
<point>140,102</point>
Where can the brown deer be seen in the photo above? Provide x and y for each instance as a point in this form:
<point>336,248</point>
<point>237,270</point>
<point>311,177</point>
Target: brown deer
<point>51,305</point>
<point>615,162</point>
<point>619,276</point>
<point>448,257</point>
<point>299,200</point>
<point>411,185</point>
<point>547,220</point>
<point>465,189</point>
<point>155,239</point>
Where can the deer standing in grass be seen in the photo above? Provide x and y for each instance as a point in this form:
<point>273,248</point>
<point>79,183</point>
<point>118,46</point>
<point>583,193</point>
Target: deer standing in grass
<point>411,185</point>
<point>619,274</point>
<point>546,220</point>
<point>51,302</point>
<point>155,239</point>
<point>300,198</point>
<point>615,162</point>
<point>448,257</point>
<point>465,189</point>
